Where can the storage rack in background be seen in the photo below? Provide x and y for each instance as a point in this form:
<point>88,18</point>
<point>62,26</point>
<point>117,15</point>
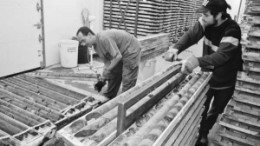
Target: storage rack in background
<point>240,123</point>
<point>145,17</point>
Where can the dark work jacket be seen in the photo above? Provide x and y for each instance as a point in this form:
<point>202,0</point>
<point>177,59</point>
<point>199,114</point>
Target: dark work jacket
<point>221,51</point>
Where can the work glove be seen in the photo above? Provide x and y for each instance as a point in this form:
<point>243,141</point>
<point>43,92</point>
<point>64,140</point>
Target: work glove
<point>102,80</point>
<point>189,64</point>
<point>171,55</point>
<point>100,84</point>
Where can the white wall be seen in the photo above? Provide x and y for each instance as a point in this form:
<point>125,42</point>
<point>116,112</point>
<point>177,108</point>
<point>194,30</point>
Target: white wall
<point>235,8</point>
<point>20,48</point>
<point>62,18</point>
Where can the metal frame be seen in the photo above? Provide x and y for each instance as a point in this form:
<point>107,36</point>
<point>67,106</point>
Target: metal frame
<point>43,64</point>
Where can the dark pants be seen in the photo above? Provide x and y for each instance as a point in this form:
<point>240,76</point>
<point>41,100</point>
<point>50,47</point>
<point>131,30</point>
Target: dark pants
<point>209,116</point>
<point>121,73</point>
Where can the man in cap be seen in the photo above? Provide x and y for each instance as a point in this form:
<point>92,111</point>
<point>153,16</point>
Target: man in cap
<point>221,55</point>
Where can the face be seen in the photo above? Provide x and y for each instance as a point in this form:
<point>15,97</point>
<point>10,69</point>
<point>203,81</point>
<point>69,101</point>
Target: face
<point>85,40</point>
<point>209,19</point>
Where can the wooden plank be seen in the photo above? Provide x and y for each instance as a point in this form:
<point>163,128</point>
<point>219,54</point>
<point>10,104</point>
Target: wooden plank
<point>241,136</point>
<point>162,16</point>
<point>152,13</point>
<point>14,122</point>
<point>250,56</point>
<point>254,10</point>
<point>60,96</point>
<point>145,87</point>
<point>9,141</point>
<point>193,141</point>
<point>166,13</point>
<point>8,127</point>
<point>243,124</point>
<point>253,42</point>
<point>173,138</point>
<point>187,130</point>
<point>254,31</point>
<point>153,98</point>
<point>238,113</point>
<point>227,125</point>
<point>251,77</point>
<point>132,8</point>
<point>248,87</point>
<point>250,66</point>
<point>29,105</point>
<point>192,136</point>
<point>139,34</point>
<point>129,23</point>
<point>41,91</point>
<point>119,139</point>
<point>3,134</point>
<point>121,118</point>
<point>250,50</point>
<point>165,135</point>
<point>143,24</point>
<point>48,102</point>
<point>129,18</point>
<point>141,28</point>
<point>108,139</point>
<point>233,141</point>
<point>247,98</point>
<point>147,4</point>
<point>178,106</point>
<point>248,139</point>
<point>143,32</point>
<point>62,75</point>
<point>153,54</point>
<point>18,116</point>
<point>6,107</point>
<point>111,126</point>
<point>247,109</point>
<point>29,137</point>
<point>159,115</point>
<point>48,85</point>
<point>254,19</point>
<point>242,120</point>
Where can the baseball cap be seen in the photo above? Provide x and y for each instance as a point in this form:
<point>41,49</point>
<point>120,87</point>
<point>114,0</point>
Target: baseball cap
<point>213,5</point>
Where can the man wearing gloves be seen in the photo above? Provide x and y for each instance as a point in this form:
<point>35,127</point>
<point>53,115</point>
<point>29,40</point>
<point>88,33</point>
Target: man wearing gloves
<point>221,55</point>
<point>120,52</point>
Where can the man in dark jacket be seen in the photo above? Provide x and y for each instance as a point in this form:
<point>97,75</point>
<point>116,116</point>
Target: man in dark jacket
<point>221,55</point>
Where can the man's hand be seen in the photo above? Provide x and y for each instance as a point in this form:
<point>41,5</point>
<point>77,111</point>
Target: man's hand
<point>171,55</point>
<point>189,64</point>
<point>100,84</point>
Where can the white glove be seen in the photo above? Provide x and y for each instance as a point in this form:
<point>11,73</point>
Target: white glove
<point>189,64</point>
<point>171,55</point>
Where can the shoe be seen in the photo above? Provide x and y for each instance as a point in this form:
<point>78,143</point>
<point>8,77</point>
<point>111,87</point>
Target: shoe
<point>203,141</point>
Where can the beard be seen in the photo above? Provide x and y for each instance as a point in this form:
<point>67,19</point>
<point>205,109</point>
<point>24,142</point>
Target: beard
<point>213,24</point>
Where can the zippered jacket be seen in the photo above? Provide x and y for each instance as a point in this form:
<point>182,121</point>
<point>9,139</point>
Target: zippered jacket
<point>221,50</point>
